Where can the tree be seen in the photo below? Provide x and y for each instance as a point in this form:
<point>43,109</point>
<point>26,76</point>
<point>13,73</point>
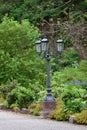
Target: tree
<point>37,10</point>
<point>16,49</point>
<point>21,71</point>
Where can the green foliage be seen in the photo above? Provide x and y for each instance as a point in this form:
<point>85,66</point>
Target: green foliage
<point>59,114</point>
<point>22,73</point>
<point>71,85</point>
<point>22,76</point>
<point>60,80</point>
<point>24,97</point>
<point>41,96</point>
<point>68,75</point>
<point>19,63</point>
<point>73,97</point>
<point>5,104</point>
<point>16,48</point>
<point>20,95</point>
<point>1,100</point>
<point>14,105</point>
<point>69,57</point>
<point>18,57</point>
<point>83,66</point>
<point>81,118</point>
<point>36,11</point>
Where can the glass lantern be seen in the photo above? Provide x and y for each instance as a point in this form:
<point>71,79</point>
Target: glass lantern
<point>44,44</point>
<point>60,45</point>
<point>38,45</point>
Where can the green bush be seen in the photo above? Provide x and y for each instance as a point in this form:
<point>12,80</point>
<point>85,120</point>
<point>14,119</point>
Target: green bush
<point>69,57</point>
<point>83,66</point>
<point>21,96</point>
<point>19,63</point>
<point>73,97</point>
<point>5,104</point>
<point>1,100</point>
<point>14,105</point>
<point>59,113</point>
<point>17,51</point>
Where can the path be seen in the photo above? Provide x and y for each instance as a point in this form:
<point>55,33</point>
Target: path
<point>13,121</point>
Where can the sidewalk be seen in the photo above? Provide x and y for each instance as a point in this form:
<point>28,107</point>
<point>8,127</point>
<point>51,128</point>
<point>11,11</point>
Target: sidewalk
<point>13,121</point>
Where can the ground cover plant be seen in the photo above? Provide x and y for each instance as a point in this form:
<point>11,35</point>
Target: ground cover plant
<point>81,117</point>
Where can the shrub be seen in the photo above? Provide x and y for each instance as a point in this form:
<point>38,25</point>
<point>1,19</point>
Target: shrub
<point>24,97</point>
<point>5,104</point>
<point>35,109</point>
<point>69,57</point>
<point>1,100</point>
<point>14,105</point>
<point>17,51</point>
<point>58,113</point>
<point>21,96</point>
<point>73,97</point>
<point>83,66</point>
<point>12,97</point>
<point>81,118</point>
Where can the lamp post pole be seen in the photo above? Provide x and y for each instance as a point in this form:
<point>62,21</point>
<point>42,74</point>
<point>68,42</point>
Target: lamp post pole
<point>49,102</point>
<point>48,78</point>
<point>49,94</point>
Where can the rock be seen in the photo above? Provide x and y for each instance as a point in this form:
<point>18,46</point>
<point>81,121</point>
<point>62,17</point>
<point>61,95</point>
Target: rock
<point>71,119</point>
<point>1,106</point>
<point>25,110</point>
<point>16,109</point>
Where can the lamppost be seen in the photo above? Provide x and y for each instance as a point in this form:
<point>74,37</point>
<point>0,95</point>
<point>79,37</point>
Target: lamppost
<point>42,46</point>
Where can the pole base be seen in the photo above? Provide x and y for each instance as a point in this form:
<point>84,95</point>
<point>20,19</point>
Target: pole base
<point>48,107</point>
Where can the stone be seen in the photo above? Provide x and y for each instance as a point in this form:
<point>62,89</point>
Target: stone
<point>71,119</point>
<point>25,110</point>
<point>48,107</point>
<point>16,109</point>
<point>1,106</point>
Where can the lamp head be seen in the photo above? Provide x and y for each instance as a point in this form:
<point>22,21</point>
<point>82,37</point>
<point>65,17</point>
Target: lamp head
<point>60,45</point>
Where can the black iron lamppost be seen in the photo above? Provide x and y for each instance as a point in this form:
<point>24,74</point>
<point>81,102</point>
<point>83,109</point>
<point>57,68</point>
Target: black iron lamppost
<point>42,47</point>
